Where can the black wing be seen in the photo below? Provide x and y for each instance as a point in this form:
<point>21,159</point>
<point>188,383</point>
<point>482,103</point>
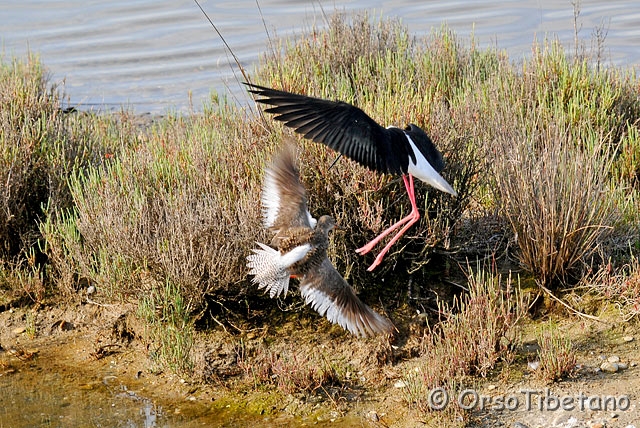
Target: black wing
<point>341,126</point>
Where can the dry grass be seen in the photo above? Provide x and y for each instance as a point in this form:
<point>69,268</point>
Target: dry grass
<point>619,286</point>
<point>555,192</point>
<point>289,370</point>
<point>556,354</point>
<point>477,331</point>
<point>165,216</point>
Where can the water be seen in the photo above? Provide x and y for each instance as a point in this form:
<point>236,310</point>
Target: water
<point>61,385</point>
<point>163,54</point>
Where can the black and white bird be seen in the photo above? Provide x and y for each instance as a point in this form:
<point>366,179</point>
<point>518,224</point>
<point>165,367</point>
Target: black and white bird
<point>301,252</point>
<point>350,131</point>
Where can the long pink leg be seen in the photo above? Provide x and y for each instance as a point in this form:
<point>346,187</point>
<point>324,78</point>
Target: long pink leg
<point>410,219</point>
<point>369,246</point>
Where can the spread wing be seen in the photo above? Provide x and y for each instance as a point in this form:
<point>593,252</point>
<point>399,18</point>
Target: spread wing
<point>329,294</point>
<point>284,198</point>
<point>341,126</point>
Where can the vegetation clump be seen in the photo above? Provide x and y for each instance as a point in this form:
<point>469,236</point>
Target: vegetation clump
<point>544,154</point>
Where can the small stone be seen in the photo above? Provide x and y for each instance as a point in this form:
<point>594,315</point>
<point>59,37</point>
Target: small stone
<point>614,415</point>
<point>622,366</point>
<point>633,364</point>
<point>628,338</point>
<point>19,330</point>
<point>108,380</point>
<point>598,425</point>
<point>373,416</point>
<point>400,384</point>
<point>533,365</point>
<point>519,425</point>
<point>65,326</point>
<point>609,367</point>
<point>491,387</point>
<point>613,359</point>
<point>91,289</point>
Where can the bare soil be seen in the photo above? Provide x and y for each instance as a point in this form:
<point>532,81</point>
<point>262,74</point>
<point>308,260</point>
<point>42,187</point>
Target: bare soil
<point>103,346</point>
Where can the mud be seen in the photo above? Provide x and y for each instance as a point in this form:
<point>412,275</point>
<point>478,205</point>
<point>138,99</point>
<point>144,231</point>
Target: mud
<point>89,365</point>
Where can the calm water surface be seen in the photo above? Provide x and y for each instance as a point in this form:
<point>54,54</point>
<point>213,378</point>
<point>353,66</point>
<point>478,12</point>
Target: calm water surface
<point>159,55</point>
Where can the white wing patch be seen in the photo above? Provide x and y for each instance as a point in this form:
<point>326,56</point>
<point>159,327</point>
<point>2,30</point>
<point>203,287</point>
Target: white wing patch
<point>325,306</point>
<point>270,199</point>
<point>271,269</point>
<point>312,221</point>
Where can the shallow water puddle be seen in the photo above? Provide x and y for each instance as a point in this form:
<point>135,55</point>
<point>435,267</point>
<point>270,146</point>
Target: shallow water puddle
<point>35,395</point>
<point>57,388</point>
<point>47,390</point>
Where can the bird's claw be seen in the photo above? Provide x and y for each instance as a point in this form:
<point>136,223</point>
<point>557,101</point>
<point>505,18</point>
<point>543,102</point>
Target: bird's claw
<point>364,250</point>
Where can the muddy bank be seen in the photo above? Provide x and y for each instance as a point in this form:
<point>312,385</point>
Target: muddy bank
<point>90,364</point>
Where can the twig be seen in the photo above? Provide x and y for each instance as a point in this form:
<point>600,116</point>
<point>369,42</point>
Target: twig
<point>571,309</point>
<point>235,58</point>
<point>104,305</point>
<point>219,323</point>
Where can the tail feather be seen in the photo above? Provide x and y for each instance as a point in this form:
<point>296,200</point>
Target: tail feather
<point>271,269</point>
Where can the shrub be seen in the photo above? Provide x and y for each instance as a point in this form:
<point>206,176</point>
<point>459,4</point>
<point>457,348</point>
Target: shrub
<point>30,127</point>
<point>556,354</point>
<point>181,205</point>
<point>40,147</point>
<point>554,190</point>
<point>477,331</point>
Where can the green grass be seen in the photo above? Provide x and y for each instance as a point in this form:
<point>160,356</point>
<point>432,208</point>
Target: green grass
<point>170,330</point>
<point>164,216</point>
<point>556,354</point>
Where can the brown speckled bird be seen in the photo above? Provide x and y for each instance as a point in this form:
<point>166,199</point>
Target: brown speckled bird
<point>302,244</point>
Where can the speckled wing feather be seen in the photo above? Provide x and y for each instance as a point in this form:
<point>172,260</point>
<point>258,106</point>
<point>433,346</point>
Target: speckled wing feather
<point>326,291</point>
<point>284,198</point>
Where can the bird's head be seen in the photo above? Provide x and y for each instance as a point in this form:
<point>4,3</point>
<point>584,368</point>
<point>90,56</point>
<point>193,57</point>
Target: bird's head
<point>326,223</point>
<point>426,146</point>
